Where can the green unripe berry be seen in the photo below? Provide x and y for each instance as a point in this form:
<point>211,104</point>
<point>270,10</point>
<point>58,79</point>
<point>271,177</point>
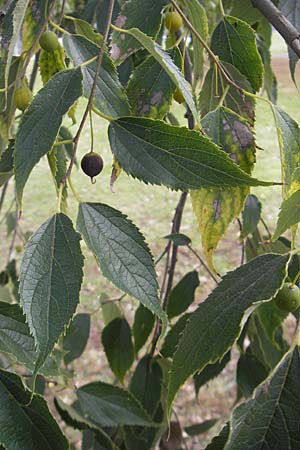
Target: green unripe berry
<point>288,298</point>
<point>173,21</point>
<point>92,164</point>
<point>22,97</point>
<point>49,41</point>
<point>178,96</point>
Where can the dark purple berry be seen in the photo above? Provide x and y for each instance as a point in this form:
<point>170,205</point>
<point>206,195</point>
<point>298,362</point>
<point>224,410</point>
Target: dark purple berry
<point>92,164</point>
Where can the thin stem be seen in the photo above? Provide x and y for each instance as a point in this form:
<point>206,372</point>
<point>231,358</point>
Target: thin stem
<point>74,192</point>
<point>266,227</point>
<point>203,264</point>
<point>3,193</point>
<point>221,8</point>
<point>92,131</point>
<point>160,257</point>
<point>12,243</point>
<point>65,142</point>
<point>90,101</point>
<point>58,28</point>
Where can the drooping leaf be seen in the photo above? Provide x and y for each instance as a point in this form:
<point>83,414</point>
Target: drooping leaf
<point>121,251</point>
<point>110,406</point>
<point>245,11</point>
<point>50,280</point>
<point>234,41</point>
<point>85,29</point>
<point>150,89</point>
<point>214,87</point>
<point>117,343</point>
<point>146,383</point>
<point>26,425</point>
<point>76,337</point>
<point>219,442</point>
<point>271,318</point>
<point>15,340</point>
<point>36,15</point>
<point>7,105</point>
<point>142,326</point>
<point>183,294</point>
<point>290,142</point>
<point>58,167</point>
<point>110,309</point>
<point>199,428</point>
<point>269,419</point>
<point>41,122</point>
<point>172,338</point>
<point>164,59</point>
<point>185,160</point>
<point>226,308</point>
<point>210,372</point>
<point>216,208</point>
<point>291,10</point>
<point>51,63</point>
<point>249,373</point>
<point>109,98</point>
<point>197,16</point>
<point>140,14</point>
<point>7,163</point>
<point>251,215</point>
<point>289,214</point>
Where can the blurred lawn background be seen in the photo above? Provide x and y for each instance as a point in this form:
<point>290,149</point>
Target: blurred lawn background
<point>151,209</point>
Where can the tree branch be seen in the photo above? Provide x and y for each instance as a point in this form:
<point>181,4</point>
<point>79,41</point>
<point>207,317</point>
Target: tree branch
<point>289,33</point>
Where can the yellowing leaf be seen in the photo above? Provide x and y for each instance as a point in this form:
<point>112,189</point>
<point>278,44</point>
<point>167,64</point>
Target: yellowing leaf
<point>51,63</point>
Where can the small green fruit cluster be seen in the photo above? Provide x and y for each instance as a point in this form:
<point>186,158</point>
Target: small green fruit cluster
<point>49,41</point>
<point>22,96</point>
<point>288,298</point>
<point>92,164</point>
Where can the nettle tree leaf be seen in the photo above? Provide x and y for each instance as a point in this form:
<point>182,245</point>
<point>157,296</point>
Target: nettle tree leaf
<point>198,18</point>
<point>121,251</point>
<point>109,98</point>
<point>234,41</point>
<point>150,89</point>
<point>216,208</point>
<point>140,14</point>
<point>37,9</point>
<point>58,166</point>
<point>50,279</point>
<point>110,406</point>
<point>118,347</point>
<point>179,158</point>
<point>269,420</point>
<point>26,424</point>
<point>218,442</point>
<point>7,163</point>
<point>214,87</point>
<point>165,60</point>
<point>16,341</point>
<point>245,11</point>
<point>183,294</point>
<point>41,122</point>
<point>76,337</point>
<point>210,372</point>
<point>179,239</point>
<point>142,326</point>
<point>250,373</point>
<point>289,214</point>
<point>290,142</point>
<point>173,336</point>
<point>200,428</point>
<point>251,215</point>
<point>51,63</point>
<point>291,10</point>
<point>217,323</point>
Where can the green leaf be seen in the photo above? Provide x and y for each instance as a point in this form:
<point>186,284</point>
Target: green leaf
<point>109,98</point>
<point>51,63</point>
<point>85,29</point>
<point>219,442</point>
<point>251,215</point>
<point>214,87</point>
<point>15,340</point>
<point>249,373</point>
<point>76,337</point>
<point>25,424</point>
<point>198,18</point>
<point>178,239</point>
<point>7,163</point>
<point>164,59</point>
<point>140,14</point>
<point>110,406</point>
<point>121,251</point>
<point>234,41</point>
<point>210,372</point>
<point>291,10</point>
<point>256,424</point>
<point>117,343</point>
<point>245,11</point>
<point>146,383</point>
<point>142,326</point>
<point>50,280</point>
<point>110,309</point>
<point>179,158</point>
<point>217,323</point>
<point>290,143</point>
<point>58,166</point>
<point>183,294</point>
<point>200,428</point>
<point>41,122</point>
<point>150,89</point>
<point>289,214</point>
<point>172,338</point>
<point>66,135</point>
<point>216,208</point>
